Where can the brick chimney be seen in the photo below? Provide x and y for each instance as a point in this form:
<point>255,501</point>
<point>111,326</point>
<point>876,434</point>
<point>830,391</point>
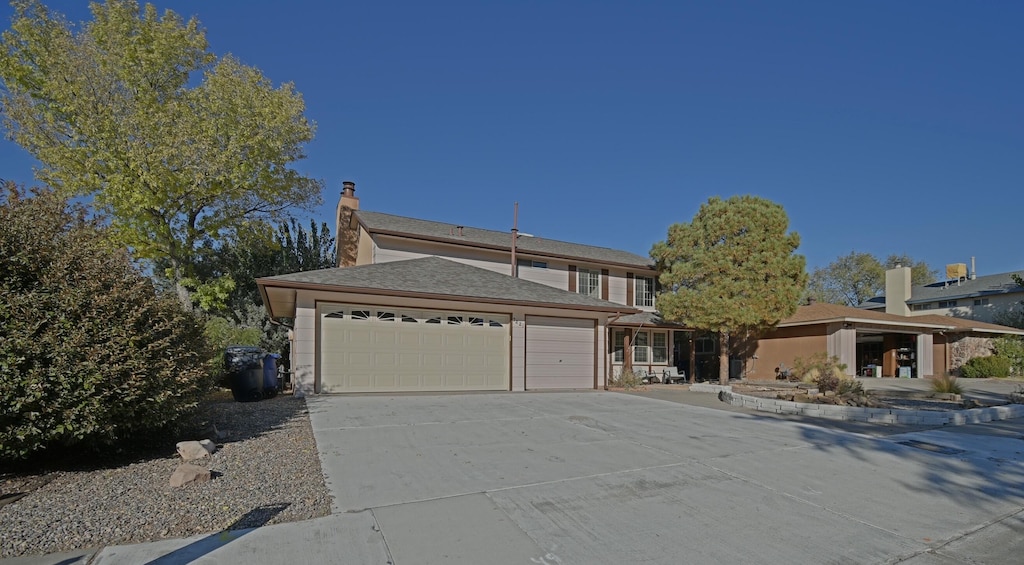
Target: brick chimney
<point>347,229</point>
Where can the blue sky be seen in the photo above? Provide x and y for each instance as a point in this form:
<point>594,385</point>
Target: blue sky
<point>884,127</point>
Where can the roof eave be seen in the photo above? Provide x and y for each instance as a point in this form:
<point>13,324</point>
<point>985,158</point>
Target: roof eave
<point>508,248</point>
<point>298,285</point>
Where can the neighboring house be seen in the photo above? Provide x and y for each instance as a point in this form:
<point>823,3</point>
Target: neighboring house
<point>972,297</point>
<point>898,345</point>
<point>433,306</point>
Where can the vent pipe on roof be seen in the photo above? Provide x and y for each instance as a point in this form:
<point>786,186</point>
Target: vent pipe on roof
<point>974,274</point>
<point>515,235</point>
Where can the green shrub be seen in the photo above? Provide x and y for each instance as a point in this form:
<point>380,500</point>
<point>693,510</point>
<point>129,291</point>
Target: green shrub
<point>947,384</point>
<point>90,353</point>
<point>995,366</point>
<point>1011,347</point>
<point>221,332</point>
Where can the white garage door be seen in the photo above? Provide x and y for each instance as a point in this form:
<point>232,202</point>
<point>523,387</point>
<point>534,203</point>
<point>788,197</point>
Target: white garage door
<point>559,353</point>
<point>376,349</point>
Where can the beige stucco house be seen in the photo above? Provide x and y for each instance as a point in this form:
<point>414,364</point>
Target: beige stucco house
<point>418,305</point>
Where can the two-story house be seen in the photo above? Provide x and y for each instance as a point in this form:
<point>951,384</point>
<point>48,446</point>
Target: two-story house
<point>961,294</point>
<point>432,306</point>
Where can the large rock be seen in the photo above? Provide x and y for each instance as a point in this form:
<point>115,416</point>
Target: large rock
<point>193,450</point>
<point>186,473</point>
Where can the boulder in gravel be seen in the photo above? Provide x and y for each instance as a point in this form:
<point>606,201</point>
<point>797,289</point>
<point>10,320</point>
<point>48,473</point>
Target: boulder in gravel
<point>192,450</point>
<point>186,473</point>
<point>208,445</point>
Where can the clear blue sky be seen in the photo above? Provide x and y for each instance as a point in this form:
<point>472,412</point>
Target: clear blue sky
<point>880,126</point>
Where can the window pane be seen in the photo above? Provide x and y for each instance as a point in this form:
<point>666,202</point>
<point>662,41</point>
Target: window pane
<point>644,295</point>
<point>589,282</point>
<point>617,344</point>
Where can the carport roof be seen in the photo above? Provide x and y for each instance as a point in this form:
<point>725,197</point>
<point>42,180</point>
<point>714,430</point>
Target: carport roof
<point>377,222</point>
<point>822,313</point>
<point>426,277</point>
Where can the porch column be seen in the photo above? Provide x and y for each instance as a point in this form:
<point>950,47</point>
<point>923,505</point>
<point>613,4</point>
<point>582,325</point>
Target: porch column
<point>842,343</point>
<point>925,352</point>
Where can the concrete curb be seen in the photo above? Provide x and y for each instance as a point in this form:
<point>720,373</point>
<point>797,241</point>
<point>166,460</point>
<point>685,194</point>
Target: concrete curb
<point>705,387</point>
<point>874,415</point>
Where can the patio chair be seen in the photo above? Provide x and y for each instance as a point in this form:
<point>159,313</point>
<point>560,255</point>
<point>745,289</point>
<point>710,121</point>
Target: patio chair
<point>673,375</point>
<point>646,377</point>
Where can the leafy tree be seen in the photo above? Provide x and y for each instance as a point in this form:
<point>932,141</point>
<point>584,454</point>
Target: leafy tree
<point>732,270</point>
<point>260,250</point>
<point>90,353</point>
<point>850,279</point>
<point>178,146</point>
<point>855,278</point>
<point>920,273</point>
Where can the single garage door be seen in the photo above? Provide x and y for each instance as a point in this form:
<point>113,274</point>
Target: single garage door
<point>559,353</point>
<point>378,349</point>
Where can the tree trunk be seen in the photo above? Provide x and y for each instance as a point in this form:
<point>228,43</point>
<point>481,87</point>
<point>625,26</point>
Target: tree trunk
<point>723,358</point>
<point>693,357</point>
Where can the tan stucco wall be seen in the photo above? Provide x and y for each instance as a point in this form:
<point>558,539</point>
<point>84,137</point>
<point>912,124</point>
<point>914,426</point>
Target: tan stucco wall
<point>783,345</point>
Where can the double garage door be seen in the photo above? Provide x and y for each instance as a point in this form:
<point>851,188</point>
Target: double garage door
<point>376,349</point>
<point>380,349</point>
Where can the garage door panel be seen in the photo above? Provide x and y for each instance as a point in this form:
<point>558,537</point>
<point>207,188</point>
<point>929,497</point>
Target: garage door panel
<point>363,350</point>
<point>560,353</point>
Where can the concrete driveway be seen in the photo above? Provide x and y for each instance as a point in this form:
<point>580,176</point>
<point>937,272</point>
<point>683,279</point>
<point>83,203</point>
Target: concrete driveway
<point>598,477</point>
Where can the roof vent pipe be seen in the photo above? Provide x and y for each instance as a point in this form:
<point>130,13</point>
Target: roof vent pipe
<point>974,274</point>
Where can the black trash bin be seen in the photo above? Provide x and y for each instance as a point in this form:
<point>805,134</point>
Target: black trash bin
<point>244,365</point>
<point>270,388</point>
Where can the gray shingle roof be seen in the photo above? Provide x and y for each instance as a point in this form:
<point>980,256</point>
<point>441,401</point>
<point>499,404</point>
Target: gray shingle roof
<point>376,222</point>
<point>442,278</point>
<point>646,319</point>
<point>987,285</point>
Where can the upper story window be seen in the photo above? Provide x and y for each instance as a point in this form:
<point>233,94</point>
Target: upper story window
<point>532,263</point>
<point>981,301</point>
<point>644,295</point>
<point>926,306</point>
<point>947,304</point>
<point>589,282</point>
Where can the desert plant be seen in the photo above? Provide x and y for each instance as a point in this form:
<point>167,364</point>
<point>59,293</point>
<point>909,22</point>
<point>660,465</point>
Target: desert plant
<point>826,382</point>
<point>819,365</point>
<point>90,352</point>
<point>627,380</point>
<point>850,387</point>
<point>993,366</point>
<point>947,384</point>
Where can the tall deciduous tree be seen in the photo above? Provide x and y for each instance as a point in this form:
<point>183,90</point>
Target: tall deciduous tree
<point>733,269</point>
<point>177,145</point>
<point>855,278</point>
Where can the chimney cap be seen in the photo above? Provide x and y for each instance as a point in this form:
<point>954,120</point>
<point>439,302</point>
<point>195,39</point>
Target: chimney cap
<point>348,188</point>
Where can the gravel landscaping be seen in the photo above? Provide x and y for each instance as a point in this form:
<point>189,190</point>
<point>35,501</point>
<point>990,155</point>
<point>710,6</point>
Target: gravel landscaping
<point>266,471</point>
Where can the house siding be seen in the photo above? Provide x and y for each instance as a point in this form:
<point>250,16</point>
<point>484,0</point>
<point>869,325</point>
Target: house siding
<point>558,274</point>
<point>782,346</point>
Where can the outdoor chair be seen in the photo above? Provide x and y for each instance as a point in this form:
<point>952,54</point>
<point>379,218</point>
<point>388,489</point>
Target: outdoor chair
<point>646,377</point>
<point>673,375</point>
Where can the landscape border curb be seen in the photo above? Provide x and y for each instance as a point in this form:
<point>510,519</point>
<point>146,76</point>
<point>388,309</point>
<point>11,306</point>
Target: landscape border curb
<point>873,415</point>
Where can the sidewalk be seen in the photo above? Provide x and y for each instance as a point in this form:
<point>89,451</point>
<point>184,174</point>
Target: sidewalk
<point>340,538</point>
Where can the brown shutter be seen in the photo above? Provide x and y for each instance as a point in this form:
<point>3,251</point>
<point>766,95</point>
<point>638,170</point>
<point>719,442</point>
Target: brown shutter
<point>629,289</point>
<point>572,278</point>
<point>604,284</point>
